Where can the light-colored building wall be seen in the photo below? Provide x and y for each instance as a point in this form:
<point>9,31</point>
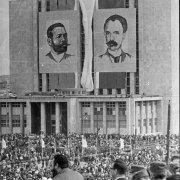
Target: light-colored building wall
<point>158,59</point>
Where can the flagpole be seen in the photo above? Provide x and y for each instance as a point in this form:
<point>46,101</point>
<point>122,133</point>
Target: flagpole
<point>168,132</point>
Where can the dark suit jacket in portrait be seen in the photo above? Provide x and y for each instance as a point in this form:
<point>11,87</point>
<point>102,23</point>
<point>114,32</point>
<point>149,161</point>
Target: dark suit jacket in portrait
<point>65,57</point>
<point>107,57</point>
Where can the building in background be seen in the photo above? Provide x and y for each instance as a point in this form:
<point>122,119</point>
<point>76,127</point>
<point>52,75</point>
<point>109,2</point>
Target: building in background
<point>130,100</point>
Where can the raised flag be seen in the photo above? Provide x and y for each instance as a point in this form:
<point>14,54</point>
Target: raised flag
<point>4,144</point>
<point>84,142</point>
<point>121,143</point>
<point>42,143</point>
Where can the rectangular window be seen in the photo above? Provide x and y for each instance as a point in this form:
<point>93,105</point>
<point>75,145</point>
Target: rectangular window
<point>128,83</point>
<point>40,82</point>
<point>4,104</point>
<point>111,114</point>
<point>109,91</point>
<point>5,120</point>
<point>39,6</point>
<point>85,104</point>
<point>16,104</point>
<point>24,104</point>
<point>48,5</point>
<point>100,92</point>
<point>86,120</point>
<point>98,114</point>
<point>118,91</point>
<point>48,89</point>
<point>122,114</point>
<point>16,120</point>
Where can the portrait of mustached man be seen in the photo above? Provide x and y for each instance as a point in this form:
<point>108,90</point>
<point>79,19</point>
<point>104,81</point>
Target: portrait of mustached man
<point>115,28</point>
<point>58,42</point>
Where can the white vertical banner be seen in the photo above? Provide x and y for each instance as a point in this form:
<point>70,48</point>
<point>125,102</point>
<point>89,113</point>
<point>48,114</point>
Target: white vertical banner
<point>4,38</point>
<point>3,144</point>
<point>87,8</point>
<point>42,143</point>
<point>84,142</point>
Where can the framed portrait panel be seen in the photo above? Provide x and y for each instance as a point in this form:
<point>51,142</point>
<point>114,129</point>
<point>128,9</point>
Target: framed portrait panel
<point>115,40</point>
<point>59,41</point>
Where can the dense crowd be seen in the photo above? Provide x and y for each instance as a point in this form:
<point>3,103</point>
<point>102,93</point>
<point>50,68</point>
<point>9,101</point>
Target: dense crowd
<point>30,156</point>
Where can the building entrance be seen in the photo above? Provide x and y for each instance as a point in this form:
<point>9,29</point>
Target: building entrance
<point>35,118</point>
<point>54,117</point>
<point>53,120</point>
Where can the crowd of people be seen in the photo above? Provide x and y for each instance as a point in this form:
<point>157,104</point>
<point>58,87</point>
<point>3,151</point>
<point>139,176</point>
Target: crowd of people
<point>30,157</point>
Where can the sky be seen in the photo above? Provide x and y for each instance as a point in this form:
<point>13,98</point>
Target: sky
<point>4,37</point>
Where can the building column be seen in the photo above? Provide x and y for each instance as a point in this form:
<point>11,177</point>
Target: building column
<point>160,116</point>
<point>131,115</point>
<point>57,106</point>
<point>29,117</point>
<point>147,116</point>
<point>10,119</point>
<point>21,118</point>
<point>141,117</point>
<point>43,117</point>
<point>104,119</point>
<point>96,83</point>
<point>136,119</point>
<point>153,116</point>
<point>117,117</point>
<point>92,117</point>
<point>35,45</point>
<point>44,82</point>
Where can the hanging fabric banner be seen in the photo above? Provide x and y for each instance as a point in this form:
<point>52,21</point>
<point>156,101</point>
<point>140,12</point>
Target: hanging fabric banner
<point>87,8</point>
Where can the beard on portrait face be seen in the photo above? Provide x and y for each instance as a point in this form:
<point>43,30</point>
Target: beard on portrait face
<point>60,48</point>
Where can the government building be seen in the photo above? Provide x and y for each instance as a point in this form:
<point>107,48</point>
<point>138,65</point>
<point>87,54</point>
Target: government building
<point>81,93</point>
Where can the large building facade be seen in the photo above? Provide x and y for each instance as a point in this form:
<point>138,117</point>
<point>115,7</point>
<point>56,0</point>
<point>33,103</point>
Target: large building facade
<point>50,98</point>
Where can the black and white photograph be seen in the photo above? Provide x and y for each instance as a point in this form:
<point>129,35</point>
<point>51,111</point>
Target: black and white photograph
<point>89,90</point>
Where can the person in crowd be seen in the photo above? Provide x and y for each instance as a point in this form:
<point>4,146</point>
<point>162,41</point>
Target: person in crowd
<point>119,170</point>
<point>141,175</point>
<point>158,170</point>
<point>61,169</point>
<point>174,177</point>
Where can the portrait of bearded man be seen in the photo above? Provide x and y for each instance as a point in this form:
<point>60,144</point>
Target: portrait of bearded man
<point>57,39</point>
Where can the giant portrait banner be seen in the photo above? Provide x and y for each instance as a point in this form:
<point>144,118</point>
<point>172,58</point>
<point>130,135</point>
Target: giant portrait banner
<point>115,40</point>
<point>59,41</point>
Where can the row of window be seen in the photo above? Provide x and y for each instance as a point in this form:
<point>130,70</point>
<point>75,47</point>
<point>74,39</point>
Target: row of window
<point>14,104</point>
<point>98,114</point>
<point>99,123</point>
<point>151,125</point>
<point>150,112</point>
<point>15,121</point>
<point>108,104</point>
